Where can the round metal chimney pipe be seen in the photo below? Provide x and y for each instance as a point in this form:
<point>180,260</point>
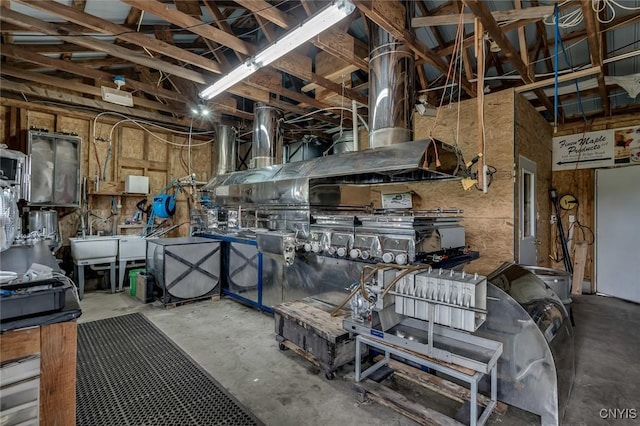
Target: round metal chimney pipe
<point>391,86</point>
<point>266,147</point>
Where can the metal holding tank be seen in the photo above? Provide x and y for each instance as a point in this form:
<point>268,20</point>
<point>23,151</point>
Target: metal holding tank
<point>558,280</point>
<point>267,137</point>
<point>44,222</point>
<point>537,370</point>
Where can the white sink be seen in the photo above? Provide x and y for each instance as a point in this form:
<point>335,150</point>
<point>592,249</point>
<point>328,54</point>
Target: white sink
<point>132,247</point>
<point>94,247</point>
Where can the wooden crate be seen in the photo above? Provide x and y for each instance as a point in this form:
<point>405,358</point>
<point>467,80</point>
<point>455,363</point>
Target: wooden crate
<point>307,327</point>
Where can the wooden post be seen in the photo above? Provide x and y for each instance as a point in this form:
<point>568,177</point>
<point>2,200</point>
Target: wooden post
<point>579,263</point>
<point>480,91</point>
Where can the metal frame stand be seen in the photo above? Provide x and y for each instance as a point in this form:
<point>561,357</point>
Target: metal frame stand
<point>80,272</point>
<point>473,380</point>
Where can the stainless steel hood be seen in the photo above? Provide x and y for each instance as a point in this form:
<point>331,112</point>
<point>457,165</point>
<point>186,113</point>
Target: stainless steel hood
<point>404,162</point>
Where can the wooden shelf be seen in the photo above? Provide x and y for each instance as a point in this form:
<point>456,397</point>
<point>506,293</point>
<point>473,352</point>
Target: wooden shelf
<point>119,194</point>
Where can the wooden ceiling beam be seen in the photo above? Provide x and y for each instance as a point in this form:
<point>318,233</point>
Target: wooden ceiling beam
<point>388,16</point>
<point>466,58</point>
<point>88,63</point>
<point>497,34</point>
<point>434,30</point>
<point>11,28</point>
<point>269,12</point>
<point>595,50</point>
<point>468,42</point>
<point>8,15</point>
<point>86,89</point>
<point>193,24</point>
<point>101,77</point>
<point>133,17</point>
<point>538,12</point>
<point>522,42</point>
<point>40,92</point>
<point>337,43</point>
<point>62,48</point>
<point>221,22</point>
<point>291,65</point>
<point>106,27</point>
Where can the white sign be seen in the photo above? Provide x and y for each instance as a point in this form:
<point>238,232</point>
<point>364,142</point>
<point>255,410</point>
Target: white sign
<point>597,149</point>
<point>583,151</point>
<point>400,200</point>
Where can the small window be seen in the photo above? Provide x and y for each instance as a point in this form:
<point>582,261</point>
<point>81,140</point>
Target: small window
<point>528,201</point>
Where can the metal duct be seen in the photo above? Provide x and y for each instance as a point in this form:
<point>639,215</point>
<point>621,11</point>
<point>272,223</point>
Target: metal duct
<point>227,149</point>
<point>343,142</point>
<point>267,138</point>
<point>391,87</point>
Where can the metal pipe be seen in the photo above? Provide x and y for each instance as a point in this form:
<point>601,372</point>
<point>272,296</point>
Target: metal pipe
<point>267,137</point>
<point>354,118</point>
<point>391,87</point>
<point>227,149</point>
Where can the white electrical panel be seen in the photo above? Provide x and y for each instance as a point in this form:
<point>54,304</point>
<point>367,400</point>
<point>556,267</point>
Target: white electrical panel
<point>458,299</point>
<point>136,184</point>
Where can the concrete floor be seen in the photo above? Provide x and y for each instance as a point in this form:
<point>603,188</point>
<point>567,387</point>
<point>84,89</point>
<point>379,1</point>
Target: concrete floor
<point>236,345</point>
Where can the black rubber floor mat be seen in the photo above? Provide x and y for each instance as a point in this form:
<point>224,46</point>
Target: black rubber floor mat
<point>130,373</point>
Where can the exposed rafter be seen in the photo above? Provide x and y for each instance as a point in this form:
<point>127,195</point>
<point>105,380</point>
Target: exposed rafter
<point>37,25</point>
<point>386,15</point>
<point>500,16</point>
<point>490,24</point>
<point>595,49</point>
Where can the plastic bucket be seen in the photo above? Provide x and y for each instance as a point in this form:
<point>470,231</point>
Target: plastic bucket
<point>132,280</point>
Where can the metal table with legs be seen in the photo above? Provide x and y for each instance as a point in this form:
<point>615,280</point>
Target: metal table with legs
<point>472,380</point>
<point>80,271</point>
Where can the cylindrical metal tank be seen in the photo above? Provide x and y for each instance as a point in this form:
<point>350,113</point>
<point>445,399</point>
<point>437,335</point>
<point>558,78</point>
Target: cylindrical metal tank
<point>391,87</point>
<point>227,149</point>
<point>537,369</point>
<point>267,138</point>
<point>558,280</point>
<point>343,142</point>
<point>45,221</point>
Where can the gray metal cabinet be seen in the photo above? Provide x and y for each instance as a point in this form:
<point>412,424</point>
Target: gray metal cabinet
<point>54,174</point>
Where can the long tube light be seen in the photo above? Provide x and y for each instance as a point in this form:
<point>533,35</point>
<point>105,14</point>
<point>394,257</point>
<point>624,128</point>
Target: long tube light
<point>318,23</point>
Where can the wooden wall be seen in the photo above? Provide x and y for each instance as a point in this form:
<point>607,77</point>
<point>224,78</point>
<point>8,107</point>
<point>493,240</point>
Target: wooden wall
<point>581,183</point>
<point>533,141</point>
<point>134,152</point>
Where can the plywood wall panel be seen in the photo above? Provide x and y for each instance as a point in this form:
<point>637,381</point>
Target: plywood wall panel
<point>488,217</point>
<point>157,180</point>
<point>132,143</point>
<point>201,161</point>
<point>40,120</point>
<point>533,141</point>
<point>101,146</point>
<point>157,149</point>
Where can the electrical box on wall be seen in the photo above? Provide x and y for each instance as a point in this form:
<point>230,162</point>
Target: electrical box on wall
<point>136,184</point>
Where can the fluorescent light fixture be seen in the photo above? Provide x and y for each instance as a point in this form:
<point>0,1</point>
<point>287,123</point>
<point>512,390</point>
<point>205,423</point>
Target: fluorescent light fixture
<point>318,23</point>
